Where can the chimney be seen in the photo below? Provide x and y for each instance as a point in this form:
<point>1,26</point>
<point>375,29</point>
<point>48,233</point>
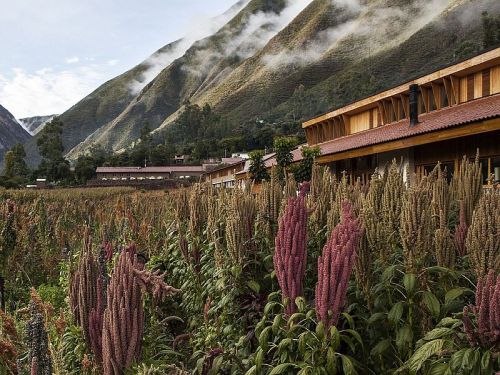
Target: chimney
<point>414,89</point>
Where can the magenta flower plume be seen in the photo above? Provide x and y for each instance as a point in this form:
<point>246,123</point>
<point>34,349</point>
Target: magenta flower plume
<point>335,267</point>
<point>290,254</point>
<point>486,331</point>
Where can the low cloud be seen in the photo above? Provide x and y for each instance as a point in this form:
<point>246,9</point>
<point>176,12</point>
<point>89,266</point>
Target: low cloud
<point>204,28</point>
<point>258,30</point>
<point>72,60</point>
<point>380,27</point>
<point>47,91</point>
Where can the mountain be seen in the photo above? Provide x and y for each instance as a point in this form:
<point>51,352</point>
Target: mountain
<point>282,59</point>
<point>11,132</point>
<point>36,123</point>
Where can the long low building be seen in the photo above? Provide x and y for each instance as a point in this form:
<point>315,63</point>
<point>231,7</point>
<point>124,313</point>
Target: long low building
<point>149,173</point>
<point>438,117</point>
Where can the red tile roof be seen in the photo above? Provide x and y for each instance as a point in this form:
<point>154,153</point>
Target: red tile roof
<point>168,169</point>
<point>475,110</point>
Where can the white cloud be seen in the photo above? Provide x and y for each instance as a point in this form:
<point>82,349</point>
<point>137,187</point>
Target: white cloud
<point>368,21</point>
<point>72,60</point>
<point>112,62</point>
<point>47,91</point>
<point>259,29</point>
<point>204,28</point>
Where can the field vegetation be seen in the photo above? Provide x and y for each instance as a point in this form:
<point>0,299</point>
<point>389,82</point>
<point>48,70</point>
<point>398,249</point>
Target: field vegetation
<point>321,277</point>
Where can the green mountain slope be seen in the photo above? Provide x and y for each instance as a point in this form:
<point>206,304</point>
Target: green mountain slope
<point>11,132</point>
<point>283,59</point>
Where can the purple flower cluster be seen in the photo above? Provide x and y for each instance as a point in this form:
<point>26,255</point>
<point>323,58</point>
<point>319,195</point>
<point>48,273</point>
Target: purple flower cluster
<point>335,267</point>
<point>486,331</point>
<point>290,255</point>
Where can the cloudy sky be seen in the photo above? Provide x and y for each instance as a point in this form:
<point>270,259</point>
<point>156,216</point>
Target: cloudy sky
<point>54,52</point>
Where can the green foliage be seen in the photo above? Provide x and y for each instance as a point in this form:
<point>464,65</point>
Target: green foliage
<point>53,166</point>
<point>283,147</point>
<point>258,171</point>
<point>303,172</point>
<point>491,30</point>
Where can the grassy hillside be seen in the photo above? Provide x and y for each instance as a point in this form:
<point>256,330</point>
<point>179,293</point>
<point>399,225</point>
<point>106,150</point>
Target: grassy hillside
<point>11,132</point>
<point>276,62</point>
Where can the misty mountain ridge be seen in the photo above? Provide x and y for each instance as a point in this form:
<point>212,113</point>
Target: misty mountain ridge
<point>262,50</point>
<point>11,132</point>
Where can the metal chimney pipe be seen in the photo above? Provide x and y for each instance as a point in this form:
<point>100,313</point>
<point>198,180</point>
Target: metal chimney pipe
<point>414,89</point>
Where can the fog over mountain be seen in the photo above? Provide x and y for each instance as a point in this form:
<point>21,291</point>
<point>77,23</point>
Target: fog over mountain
<point>248,62</point>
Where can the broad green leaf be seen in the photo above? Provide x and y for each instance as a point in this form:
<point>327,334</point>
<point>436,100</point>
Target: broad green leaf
<point>347,365</point>
<point>354,334</point>
<point>252,371</point>
<point>409,281</point>
<point>380,348</point>
<point>438,369</point>
<point>396,313</point>
<point>376,317</point>
<point>455,293</point>
<point>486,362</point>
<point>254,285</point>
<point>280,369</point>
<point>423,353</point>
<point>264,338</point>
<point>432,303</point>
<point>301,303</point>
<point>334,338</point>
<point>277,323</point>
<point>457,359</point>
<point>437,333</point>
<point>320,331</point>
<point>404,337</point>
<point>331,361</point>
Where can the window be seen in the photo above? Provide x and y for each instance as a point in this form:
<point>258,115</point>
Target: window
<point>490,168</point>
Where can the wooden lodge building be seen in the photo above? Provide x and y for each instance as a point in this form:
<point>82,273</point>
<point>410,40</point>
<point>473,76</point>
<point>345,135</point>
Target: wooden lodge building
<point>438,117</point>
<point>149,173</point>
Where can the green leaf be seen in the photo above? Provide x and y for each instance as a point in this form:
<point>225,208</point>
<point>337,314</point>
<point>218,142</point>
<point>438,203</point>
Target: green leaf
<point>455,293</point>
<point>259,359</point>
<point>468,359</point>
<point>388,273</point>
<point>457,359</point>
<point>254,285</point>
<point>437,333</point>
<point>301,303</point>
<point>423,353</point>
<point>320,331</point>
<point>331,361</point>
<point>277,324</point>
<point>380,348</point>
<point>396,313</point>
<point>486,362</point>
<point>432,303</point>
<point>404,337</point>
<point>252,371</point>
<point>438,369</point>
<point>376,317</point>
<point>264,338</point>
<point>334,338</point>
<point>347,365</point>
<point>354,334</point>
<point>280,369</point>
<point>409,281</point>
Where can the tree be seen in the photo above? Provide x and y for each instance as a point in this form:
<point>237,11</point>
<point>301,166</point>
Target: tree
<point>258,171</point>
<point>85,169</point>
<point>15,165</point>
<point>491,30</point>
<point>283,146</point>
<point>304,169</point>
<point>50,145</point>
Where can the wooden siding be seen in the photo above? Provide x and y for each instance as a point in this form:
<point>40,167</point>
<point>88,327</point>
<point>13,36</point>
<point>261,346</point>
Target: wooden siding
<point>447,87</point>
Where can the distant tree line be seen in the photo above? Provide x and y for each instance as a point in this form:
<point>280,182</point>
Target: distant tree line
<point>199,132</point>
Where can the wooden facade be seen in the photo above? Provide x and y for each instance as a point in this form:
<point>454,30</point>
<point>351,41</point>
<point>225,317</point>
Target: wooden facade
<point>474,84</point>
<point>469,80</point>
